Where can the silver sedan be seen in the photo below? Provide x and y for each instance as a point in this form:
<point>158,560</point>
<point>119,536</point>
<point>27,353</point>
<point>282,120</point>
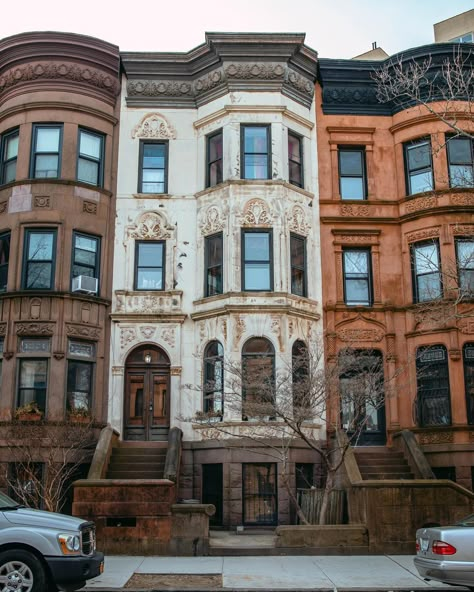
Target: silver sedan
<point>446,553</point>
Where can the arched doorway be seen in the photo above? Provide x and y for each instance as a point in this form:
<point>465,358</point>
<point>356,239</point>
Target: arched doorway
<point>147,392</point>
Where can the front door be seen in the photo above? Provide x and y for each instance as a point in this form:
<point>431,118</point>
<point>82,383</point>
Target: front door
<point>259,488</point>
<point>147,377</point>
<point>212,488</point>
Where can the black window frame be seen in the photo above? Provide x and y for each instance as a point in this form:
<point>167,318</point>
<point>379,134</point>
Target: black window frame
<point>41,401</point>
<point>415,275</point>
<point>209,387</point>
<point>466,294</point>
<point>363,174</point>
<point>144,143</point>
<point>4,265</point>
<point>243,127</point>
<point>99,161</point>
<point>4,162</point>
<point>137,266</point>
<point>207,285</point>
<point>449,140</point>
<point>83,358</point>
<point>26,243</point>
<point>96,266</point>
<point>244,262</point>
<point>432,376</point>
<point>301,239</point>
<point>34,153</point>
<point>468,367</point>
<point>300,164</point>
<point>407,146</point>
<point>209,162</point>
<point>367,273</point>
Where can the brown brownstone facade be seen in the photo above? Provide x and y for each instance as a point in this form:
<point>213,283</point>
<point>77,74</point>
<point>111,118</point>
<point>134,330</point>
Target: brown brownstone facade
<point>391,212</point>
<point>58,129</point>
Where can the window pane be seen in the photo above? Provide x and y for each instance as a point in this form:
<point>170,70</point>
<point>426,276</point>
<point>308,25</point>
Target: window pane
<point>215,147</point>
<point>419,156</point>
<point>91,145</point>
<point>256,139</point>
<point>350,162</point>
<point>294,148</point>
<point>357,291</point>
<point>297,251</point>
<point>461,176</point>
<point>215,173</point>
<point>81,270</point>
<point>256,166</point>
<point>88,171</point>
<point>150,254</point>
<point>257,246</point>
<point>46,166</point>
<point>297,281</point>
<point>150,279</point>
<point>39,275</point>
<point>11,149</point>
<point>459,150</point>
<point>79,380</point>
<point>9,172</point>
<point>429,287</point>
<point>466,281</point>
<point>426,259</point>
<point>4,259</point>
<point>214,281</point>
<point>33,382</point>
<point>295,173</point>
<point>465,250</point>
<point>154,155</point>
<point>40,246</point>
<point>85,243</point>
<point>214,250</point>
<point>352,188</point>
<point>420,182</point>
<point>257,276</point>
<point>47,139</point>
<point>356,262</point>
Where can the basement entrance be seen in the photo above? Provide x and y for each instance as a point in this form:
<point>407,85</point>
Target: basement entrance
<point>147,379</point>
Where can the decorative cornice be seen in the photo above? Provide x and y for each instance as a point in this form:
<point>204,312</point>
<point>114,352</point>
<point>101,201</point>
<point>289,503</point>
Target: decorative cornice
<point>228,109</point>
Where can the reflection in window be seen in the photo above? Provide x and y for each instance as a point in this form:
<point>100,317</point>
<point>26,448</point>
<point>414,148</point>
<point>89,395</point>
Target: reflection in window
<point>153,167</point>
<point>46,151</point>
<point>468,358</point>
<point>214,379</point>
<point>419,167</point>
<point>255,148</point>
<point>85,255</point>
<point>32,382</point>
<point>257,260</point>
<point>9,156</point>
<point>39,259</point>
<point>4,260</point>
<point>352,183</point>
<point>465,264</point>
<point>295,159</point>
<point>357,277</point>
<point>214,159</point>
<point>150,265</point>
<point>433,394</point>
<point>258,378</point>
<point>298,264</point>
<point>426,271</point>
<point>214,262</point>
<point>90,157</point>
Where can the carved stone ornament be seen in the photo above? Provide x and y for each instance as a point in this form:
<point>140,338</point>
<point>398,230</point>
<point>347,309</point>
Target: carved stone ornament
<point>154,126</point>
<point>42,201</point>
<point>3,206</point>
<point>297,221</point>
<point>157,88</point>
<point>147,332</point>
<point>463,229</point>
<point>208,82</point>
<point>168,336</point>
<point>275,325</point>
<point>150,225</point>
<point>213,221</point>
<point>300,83</point>
<point>349,210</point>
<point>436,438</point>
<point>421,203</point>
<point>58,355</point>
<point>3,329</point>
<point>463,199</point>
<point>248,70</point>
<point>89,207</point>
<point>466,326</point>
<point>358,334</point>
<point>419,235</point>
<point>127,336</point>
<point>224,328</point>
<point>256,213</point>
<point>362,239</point>
<point>59,71</point>
<point>239,328</point>
<point>151,303</point>
<point>82,331</point>
<point>35,308</point>
<point>35,328</point>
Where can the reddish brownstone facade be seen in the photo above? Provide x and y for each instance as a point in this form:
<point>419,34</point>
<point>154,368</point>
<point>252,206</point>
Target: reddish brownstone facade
<point>394,227</point>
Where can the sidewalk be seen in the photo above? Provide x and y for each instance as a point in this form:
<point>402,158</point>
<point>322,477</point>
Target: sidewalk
<point>295,573</point>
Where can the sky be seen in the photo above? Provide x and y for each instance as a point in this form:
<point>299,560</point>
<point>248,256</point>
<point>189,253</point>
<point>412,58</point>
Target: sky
<point>334,28</point>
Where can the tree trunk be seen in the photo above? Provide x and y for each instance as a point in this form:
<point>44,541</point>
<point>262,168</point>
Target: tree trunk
<point>292,496</point>
<point>325,501</point>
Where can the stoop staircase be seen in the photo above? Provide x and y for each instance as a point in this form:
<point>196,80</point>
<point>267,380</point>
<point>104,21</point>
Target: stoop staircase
<point>132,460</point>
<point>380,462</point>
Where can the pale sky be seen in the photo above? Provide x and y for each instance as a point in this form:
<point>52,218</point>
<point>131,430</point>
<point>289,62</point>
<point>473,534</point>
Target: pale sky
<point>334,28</point>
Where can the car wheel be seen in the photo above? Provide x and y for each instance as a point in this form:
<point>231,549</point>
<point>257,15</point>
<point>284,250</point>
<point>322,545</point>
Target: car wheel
<point>21,571</point>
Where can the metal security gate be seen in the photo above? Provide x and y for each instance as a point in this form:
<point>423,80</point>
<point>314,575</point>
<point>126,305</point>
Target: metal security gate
<point>259,492</point>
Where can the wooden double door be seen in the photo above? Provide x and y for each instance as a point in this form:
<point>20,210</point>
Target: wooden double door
<point>147,395</point>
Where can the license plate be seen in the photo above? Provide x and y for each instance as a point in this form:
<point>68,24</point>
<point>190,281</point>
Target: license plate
<point>424,543</point>
<point>101,568</point>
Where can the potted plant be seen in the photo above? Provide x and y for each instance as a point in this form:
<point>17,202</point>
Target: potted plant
<point>29,412</point>
<point>79,415</point>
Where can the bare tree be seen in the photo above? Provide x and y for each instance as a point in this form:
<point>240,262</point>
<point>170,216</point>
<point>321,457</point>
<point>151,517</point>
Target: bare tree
<point>302,402</point>
<point>44,458</point>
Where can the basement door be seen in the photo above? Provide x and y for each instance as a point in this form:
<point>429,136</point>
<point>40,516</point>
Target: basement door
<point>147,379</point>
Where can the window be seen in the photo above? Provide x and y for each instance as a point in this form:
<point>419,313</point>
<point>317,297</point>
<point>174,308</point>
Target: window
<point>39,259</point>
<point>90,157</point>
<point>352,183</point>
<point>465,264</point>
<point>9,147</point>
<point>433,398</point>
<point>460,161</point>
<point>214,159</point>
<point>153,173</point>
<point>298,264</point>
<point>1,361</point>
<point>214,379</point>
<point>357,277</point>
<point>295,159</point>
<point>45,162</point>
<point>4,260</point>
<point>85,255</point>
<point>258,378</point>
<point>419,168</point>
<point>300,372</point>
<point>426,271</point>
<point>214,263</point>
<point>257,268</point>
<point>150,265</point>
<point>259,492</point>
<point>255,152</point>
<point>466,38</point>
<point>468,358</point>
<point>80,371</point>
<point>33,382</point>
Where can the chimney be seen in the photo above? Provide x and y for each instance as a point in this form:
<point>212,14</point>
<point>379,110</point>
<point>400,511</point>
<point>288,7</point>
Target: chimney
<point>374,45</point>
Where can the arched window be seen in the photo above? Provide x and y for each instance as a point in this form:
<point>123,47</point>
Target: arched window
<point>213,387</point>
<point>258,379</point>
<point>468,359</point>
<point>432,376</point>
<point>300,375</point>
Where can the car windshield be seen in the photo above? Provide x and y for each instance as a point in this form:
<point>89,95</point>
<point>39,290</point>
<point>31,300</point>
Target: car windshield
<point>6,503</point>
<point>467,521</point>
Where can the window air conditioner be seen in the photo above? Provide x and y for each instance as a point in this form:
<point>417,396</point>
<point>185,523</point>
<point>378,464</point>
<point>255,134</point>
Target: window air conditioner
<point>84,284</point>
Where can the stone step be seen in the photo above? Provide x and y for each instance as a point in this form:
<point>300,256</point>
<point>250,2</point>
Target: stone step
<point>134,466</point>
<point>134,474</point>
<point>379,476</point>
<point>139,451</point>
<point>385,468</point>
